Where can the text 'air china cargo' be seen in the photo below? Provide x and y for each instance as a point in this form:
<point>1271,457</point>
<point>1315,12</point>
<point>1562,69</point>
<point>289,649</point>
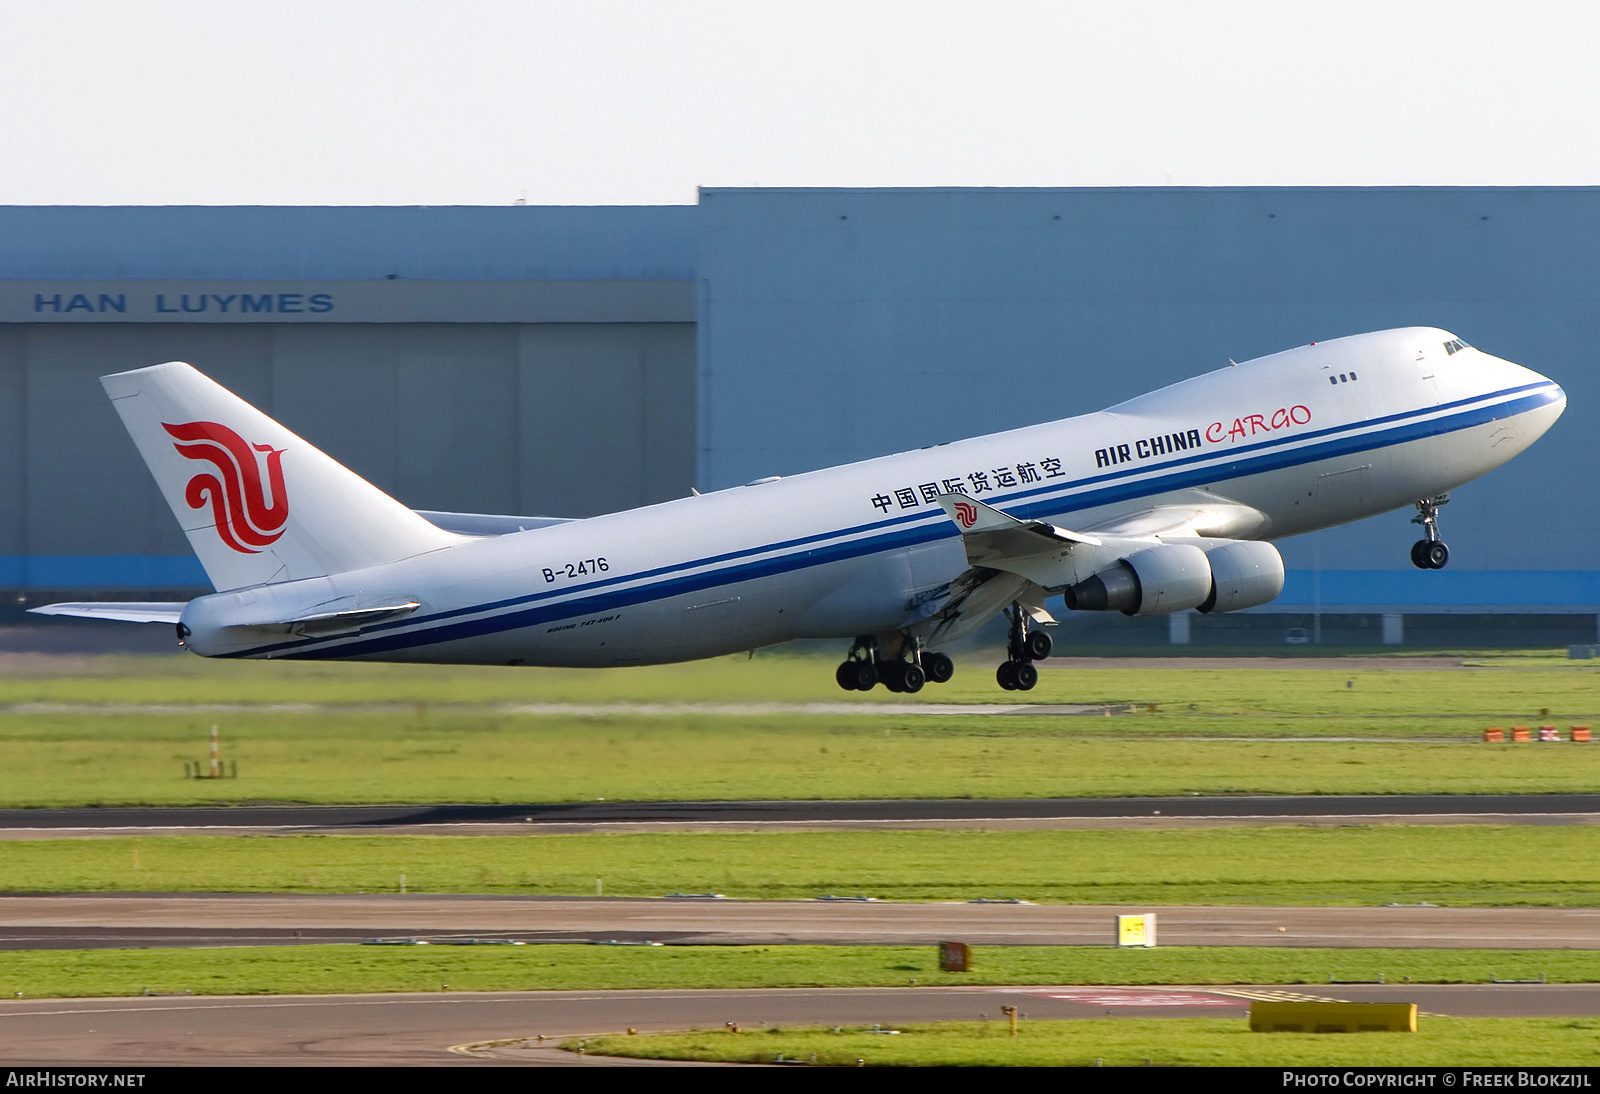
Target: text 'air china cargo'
<point>1165,503</point>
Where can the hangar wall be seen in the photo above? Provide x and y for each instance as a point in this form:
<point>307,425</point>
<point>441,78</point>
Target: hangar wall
<point>515,360</point>
<point>570,361</point>
<point>842,324</point>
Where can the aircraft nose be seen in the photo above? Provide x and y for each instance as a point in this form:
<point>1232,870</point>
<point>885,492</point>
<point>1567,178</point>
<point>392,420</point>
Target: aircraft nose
<point>1515,375</point>
<point>1541,398</point>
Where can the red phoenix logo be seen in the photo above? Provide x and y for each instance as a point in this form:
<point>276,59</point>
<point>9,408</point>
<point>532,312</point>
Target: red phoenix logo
<point>245,519</point>
<point>966,513</point>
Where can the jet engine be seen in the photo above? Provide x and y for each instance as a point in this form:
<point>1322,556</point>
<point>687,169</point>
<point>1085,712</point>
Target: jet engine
<point>1168,578</point>
<point>1243,574</point>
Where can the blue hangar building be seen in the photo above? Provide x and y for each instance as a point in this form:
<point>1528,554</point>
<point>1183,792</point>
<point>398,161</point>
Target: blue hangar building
<point>575,360</point>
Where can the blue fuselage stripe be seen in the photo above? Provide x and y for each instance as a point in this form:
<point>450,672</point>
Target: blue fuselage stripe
<point>912,529</point>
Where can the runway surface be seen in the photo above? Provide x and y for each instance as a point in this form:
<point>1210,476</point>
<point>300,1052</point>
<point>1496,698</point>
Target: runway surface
<point>1286,663</point>
<point>505,1027</point>
<point>588,710</point>
<point>122,920</point>
<point>1541,809</point>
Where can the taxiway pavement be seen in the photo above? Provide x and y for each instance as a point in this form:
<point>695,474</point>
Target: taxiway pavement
<point>523,1027</point>
<point>121,919</point>
<point>723,816</point>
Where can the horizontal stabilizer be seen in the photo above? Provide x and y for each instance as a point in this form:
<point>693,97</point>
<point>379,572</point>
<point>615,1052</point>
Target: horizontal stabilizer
<point>331,617</point>
<point>126,611</point>
<point>359,615</point>
<point>487,524</point>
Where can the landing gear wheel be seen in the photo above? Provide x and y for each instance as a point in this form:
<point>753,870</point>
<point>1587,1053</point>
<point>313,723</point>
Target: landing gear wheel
<point>846,675</point>
<point>863,676</point>
<point>938,667</point>
<point>1025,675</point>
<point>1006,675</point>
<point>911,679</point>
<point>1037,645</point>
<point>1430,553</point>
<point>893,674</point>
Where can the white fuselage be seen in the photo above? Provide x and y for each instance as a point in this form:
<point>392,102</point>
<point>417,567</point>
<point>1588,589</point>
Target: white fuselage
<point>1297,441</point>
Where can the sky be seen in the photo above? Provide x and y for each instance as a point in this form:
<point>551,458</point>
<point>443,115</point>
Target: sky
<point>481,102</point>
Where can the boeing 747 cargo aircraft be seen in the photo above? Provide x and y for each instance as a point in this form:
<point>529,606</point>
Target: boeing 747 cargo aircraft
<point>1165,503</point>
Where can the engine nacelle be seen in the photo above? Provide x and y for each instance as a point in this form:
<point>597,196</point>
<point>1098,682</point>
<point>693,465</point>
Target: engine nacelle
<point>1156,580</point>
<point>1243,575</point>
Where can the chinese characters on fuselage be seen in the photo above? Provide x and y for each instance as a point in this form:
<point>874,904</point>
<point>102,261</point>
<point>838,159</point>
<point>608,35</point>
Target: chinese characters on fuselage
<point>971,484</point>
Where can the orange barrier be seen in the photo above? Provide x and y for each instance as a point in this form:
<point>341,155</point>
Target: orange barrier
<point>1494,735</point>
<point>1521,733</point>
<point>1580,733</point>
<point>1549,733</point>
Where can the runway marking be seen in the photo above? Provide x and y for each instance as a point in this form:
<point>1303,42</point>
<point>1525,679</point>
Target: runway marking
<point>1270,995</point>
<point>476,1048</point>
<point>1137,997</point>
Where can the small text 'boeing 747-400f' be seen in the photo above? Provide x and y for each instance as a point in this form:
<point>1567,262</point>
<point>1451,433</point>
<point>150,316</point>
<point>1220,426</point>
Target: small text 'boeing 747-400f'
<point>1161,504</point>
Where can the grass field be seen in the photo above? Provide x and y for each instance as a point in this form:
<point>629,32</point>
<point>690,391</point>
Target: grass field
<point>1504,683</point>
<point>383,733</point>
<point>58,760</point>
<point>1465,865</point>
<point>1133,1042</point>
<point>118,730</point>
<point>310,970</point>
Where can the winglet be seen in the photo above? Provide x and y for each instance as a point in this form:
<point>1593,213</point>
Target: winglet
<point>975,518</point>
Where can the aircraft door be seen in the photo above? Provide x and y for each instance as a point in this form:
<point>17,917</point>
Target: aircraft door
<point>1343,491</point>
<point>1425,367</point>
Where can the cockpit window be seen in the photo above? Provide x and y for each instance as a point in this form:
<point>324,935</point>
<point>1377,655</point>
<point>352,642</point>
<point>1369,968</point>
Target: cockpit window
<point>1455,345</point>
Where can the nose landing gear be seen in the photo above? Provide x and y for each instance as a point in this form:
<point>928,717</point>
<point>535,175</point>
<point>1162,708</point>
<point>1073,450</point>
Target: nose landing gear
<point>1017,672</point>
<point>864,668</point>
<point>1430,553</point>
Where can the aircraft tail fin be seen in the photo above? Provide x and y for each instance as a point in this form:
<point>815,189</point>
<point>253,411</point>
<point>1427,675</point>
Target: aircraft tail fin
<point>258,504</point>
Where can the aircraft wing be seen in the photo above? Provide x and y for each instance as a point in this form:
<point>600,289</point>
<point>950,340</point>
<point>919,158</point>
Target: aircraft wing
<point>990,535</point>
<point>1044,554</point>
<point>1010,560</point>
<point>126,611</point>
<point>970,601</point>
<point>1219,520</point>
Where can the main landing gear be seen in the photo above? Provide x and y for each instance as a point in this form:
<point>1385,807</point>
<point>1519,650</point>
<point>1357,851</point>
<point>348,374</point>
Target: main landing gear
<point>864,668</point>
<point>1025,647</point>
<point>1430,553</point>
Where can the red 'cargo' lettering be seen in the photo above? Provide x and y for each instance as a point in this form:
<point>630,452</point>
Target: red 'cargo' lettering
<point>1247,426</point>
